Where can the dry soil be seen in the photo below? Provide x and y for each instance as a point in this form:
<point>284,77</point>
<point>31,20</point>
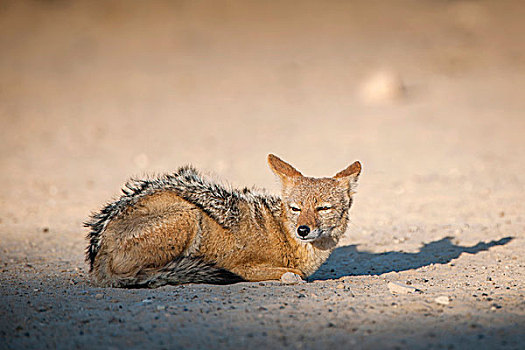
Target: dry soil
<point>428,95</point>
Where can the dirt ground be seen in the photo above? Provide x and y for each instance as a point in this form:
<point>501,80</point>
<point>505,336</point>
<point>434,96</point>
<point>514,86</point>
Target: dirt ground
<point>427,94</point>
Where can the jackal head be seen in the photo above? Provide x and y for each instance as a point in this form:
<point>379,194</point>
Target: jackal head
<point>315,208</point>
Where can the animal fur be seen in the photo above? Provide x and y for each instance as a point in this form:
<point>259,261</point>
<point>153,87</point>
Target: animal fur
<point>182,228</point>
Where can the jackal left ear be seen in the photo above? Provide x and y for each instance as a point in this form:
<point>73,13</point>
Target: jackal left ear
<point>350,174</point>
<point>281,168</point>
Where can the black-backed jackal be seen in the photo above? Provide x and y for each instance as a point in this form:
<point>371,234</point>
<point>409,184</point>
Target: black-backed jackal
<point>183,228</point>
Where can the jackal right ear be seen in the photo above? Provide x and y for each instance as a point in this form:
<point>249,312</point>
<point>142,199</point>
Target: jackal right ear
<point>350,174</point>
<point>281,168</point>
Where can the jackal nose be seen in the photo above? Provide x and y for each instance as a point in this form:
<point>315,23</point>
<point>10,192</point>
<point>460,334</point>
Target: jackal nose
<point>303,231</point>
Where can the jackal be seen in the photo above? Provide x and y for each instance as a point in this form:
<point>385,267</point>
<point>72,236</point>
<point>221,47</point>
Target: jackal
<point>183,228</point>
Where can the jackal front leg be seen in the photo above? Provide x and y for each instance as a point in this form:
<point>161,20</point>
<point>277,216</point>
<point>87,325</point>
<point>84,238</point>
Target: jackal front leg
<point>265,273</point>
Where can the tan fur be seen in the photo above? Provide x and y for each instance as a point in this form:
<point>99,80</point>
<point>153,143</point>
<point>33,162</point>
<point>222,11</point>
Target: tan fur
<point>262,245</point>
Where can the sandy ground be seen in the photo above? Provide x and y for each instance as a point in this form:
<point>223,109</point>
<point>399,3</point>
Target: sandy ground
<point>428,95</point>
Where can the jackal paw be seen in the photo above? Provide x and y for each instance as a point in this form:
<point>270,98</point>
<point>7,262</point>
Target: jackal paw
<point>291,278</point>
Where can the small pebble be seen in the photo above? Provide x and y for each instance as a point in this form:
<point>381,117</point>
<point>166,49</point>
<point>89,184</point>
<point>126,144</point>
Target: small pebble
<point>442,300</point>
<point>399,288</point>
<point>495,306</point>
<point>99,296</point>
<point>340,286</point>
<point>291,278</point>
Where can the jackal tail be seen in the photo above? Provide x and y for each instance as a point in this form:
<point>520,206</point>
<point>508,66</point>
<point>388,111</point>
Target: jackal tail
<point>180,271</point>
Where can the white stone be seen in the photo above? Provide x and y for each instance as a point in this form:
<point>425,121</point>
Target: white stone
<point>291,278</point>
<point>442,300</point>
<point>400,288</point>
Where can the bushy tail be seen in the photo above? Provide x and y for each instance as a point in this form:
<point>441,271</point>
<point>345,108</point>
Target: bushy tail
<point>180,271</point>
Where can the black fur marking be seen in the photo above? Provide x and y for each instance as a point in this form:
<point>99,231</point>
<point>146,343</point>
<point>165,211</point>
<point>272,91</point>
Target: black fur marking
<point>218,202</point>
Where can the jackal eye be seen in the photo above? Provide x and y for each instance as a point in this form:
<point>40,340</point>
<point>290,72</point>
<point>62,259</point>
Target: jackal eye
<point>324,207</point>
<point>294,208</point>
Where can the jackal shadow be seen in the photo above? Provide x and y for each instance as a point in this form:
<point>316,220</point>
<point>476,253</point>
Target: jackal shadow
<point>349,261</point>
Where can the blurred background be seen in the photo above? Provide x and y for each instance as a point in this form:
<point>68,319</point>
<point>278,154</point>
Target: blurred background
<point>427,94</point>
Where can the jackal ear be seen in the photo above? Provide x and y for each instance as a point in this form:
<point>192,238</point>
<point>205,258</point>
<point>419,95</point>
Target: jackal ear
<point>281,168</point>
<point>350,174</point>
